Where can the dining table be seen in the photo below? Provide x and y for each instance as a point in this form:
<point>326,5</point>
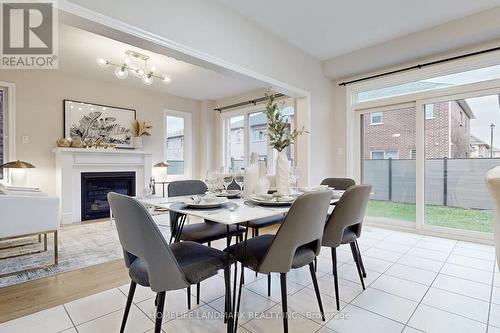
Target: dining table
<point>235,211</point>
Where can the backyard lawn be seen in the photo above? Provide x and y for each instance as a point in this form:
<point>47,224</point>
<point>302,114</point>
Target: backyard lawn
<point>451,217</point>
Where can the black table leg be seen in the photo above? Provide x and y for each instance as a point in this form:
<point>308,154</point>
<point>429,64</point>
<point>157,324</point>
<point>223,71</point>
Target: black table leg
<point>228,314</point>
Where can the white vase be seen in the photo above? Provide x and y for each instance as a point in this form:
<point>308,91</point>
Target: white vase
<point>251,176</point>
<point>137,142</point>
<point>263,183</point>
<point>282,174</point>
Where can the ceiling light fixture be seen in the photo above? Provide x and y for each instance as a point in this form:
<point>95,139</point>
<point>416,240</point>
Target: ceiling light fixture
<point>132,63</point>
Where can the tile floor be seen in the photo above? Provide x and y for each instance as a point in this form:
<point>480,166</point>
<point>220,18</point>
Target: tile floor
<point>415,284</point>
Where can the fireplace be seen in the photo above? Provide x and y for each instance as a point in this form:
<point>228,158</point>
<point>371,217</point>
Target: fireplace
<point>97,185</point>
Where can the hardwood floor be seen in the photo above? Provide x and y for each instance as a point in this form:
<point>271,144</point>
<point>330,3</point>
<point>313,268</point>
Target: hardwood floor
<point>29,297</point>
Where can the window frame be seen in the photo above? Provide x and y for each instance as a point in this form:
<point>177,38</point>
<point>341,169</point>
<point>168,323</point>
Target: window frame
<point>188,151</point>
<point>9,118</point>
<point>376,122</point>
<point>245,112</point>
<point>427,117</point>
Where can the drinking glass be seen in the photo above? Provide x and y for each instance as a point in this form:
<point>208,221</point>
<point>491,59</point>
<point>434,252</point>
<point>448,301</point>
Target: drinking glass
<point>294,177</point>
<point>211,180</point>
<point>239,178</point>
<point>227,178</point>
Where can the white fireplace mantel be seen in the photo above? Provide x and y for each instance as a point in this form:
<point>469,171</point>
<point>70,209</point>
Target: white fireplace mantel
<point>71,162</point>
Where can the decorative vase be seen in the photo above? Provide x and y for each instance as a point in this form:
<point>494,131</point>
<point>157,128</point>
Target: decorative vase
<point>251,176</point>
<point>282,174</point>
<point>263,183</point>
<point>137,142</point>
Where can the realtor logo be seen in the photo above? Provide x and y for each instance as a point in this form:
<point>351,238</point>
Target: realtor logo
<point>29,34</point>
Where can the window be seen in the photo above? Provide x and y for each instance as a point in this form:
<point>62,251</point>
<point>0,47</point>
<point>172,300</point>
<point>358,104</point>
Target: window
<point>177,131</point>
<point>384,154</point>
<point>429,111</point>
<point>246,132</point>
<point>2,131</point>
<point>413,154</point>
<point>377,155</point>
<point>376,118</point>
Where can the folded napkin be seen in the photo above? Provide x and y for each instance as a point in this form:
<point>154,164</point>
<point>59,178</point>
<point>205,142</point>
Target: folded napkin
<point>314,188</point>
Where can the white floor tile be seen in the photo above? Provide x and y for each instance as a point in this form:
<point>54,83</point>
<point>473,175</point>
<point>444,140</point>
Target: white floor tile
<point>429,254</point>
<point>301,275</point>
<point>137,322</point>
<point>495,315</point>
<point>355,320</point>
<point>409,329</point>
<point>438,244</point>
<point>399,287</point>
<point>141,293</point>
<point>201,320</point>
<point>260,287</point>
<point>251,302</point>
<point>404,238</point>
<point>175,304</point>
<point>476,246</point>
<point>350,272</point>
<point>51,320</point>
<point>471,262</point>
<point>461,305</point>
<point>478,254</point>
<point>91,307</point>
<point>432,320</point>
<point>387,305</point>
<point>383,254</point>
<point>272,322</point>
<point>412,273</point>
<point>305,303</point>
<point>347,290</point>
<point>495,295</point>
<point>393,247</point>
<point>419,262</point>
<point>467,273</point>
<point>493,329</point>
<point>373,264</point>
<point>463,287</point>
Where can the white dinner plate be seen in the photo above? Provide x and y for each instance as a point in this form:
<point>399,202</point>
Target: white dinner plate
<point>229,194</point>
<point>272,201</point>
<point>213,203</point>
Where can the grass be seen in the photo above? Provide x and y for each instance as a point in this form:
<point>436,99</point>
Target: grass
<point>450,217</point>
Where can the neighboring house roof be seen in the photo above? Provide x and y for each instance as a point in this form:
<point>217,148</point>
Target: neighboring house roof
<point>465,106</point>
<point>475,141</point>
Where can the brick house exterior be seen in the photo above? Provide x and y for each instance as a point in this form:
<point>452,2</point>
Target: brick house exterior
<point>391,134</point>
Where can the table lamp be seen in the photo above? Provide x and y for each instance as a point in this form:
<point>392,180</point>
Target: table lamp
<point>161,168</point>
<point>18,174</point>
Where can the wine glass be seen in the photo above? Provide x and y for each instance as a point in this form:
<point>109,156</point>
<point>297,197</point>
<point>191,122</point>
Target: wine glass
<point>211,180</point>
<point>227,178</point>
<point>239,178</point>
<point>294,177</point>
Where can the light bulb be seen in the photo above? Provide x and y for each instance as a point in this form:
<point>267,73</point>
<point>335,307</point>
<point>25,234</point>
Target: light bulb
<point>153,68</point>
<point>121,72</point>
<point>147,80</point>
<point>102,62</point>
<point>166,79</point>
<point>127,60</point>
<point>140,72</point>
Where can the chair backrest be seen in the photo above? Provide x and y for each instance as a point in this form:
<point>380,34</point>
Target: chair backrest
<point>339,183</point>
<point>493,182</point>
<point>182,188</point>
<point>141,238</point>
<point>303,226</point>
<point>349,212</point>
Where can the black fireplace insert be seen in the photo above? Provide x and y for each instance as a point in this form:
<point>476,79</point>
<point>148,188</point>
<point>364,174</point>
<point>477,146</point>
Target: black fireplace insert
<point>97,185</point>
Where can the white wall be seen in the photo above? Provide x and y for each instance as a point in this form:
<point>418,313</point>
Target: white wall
<point>212,29</point>
<point>39,114</point>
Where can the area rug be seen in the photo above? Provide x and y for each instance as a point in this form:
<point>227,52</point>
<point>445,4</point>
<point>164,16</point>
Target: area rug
<point>80,246</point>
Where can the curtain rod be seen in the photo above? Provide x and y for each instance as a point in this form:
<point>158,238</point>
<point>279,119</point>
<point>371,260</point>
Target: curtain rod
<point>419,66</point>
<point>253,101</point>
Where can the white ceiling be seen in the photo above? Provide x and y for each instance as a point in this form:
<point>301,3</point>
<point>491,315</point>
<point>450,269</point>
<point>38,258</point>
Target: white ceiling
<point>79,49</point>
<point>328,28</point>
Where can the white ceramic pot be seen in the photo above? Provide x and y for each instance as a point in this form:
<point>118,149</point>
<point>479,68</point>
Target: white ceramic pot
<point>251,176</point>
<point>282,174</point>
<point>137,142</point>
<point>263,183</point>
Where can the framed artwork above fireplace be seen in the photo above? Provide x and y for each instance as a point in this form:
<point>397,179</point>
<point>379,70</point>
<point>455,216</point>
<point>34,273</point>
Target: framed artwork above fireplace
<point>109,124</point>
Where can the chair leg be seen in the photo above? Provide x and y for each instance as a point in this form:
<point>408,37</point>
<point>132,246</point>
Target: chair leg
<point>227,284</point>
<point>253,232</point>
<point>159,311</point>
<point>239,301</point>
<point>284,305</point>
<point>360,259</point>
<point>335,277</point>
<point>269,284</point>
<point>316,289</point>
<point>316,264</point>
<point>355,256</point>
<point>131,292</point>
<point>209,244</point>
<point>188,292</point>
<point>198,293</point>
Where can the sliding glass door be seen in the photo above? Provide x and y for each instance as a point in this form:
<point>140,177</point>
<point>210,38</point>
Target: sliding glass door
<point>388,152</point>
<point>427,161</point>
<point>461,144</point>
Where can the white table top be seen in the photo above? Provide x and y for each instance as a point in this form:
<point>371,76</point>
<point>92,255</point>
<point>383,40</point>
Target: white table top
<point>223,215</point>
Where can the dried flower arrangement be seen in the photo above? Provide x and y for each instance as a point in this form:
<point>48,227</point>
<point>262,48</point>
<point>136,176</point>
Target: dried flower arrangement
<point>140,128</point>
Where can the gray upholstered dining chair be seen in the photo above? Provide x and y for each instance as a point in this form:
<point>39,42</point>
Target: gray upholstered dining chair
<point>344,227</point>
<point>341,184</point>
<point>154,263</point>
<point>296,244</point>
<point>205,232</point>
